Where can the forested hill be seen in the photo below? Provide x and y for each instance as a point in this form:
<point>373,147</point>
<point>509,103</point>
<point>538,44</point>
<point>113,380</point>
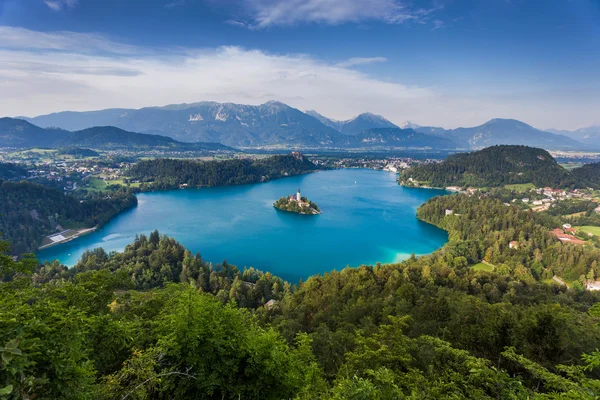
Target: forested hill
<point>21,134</point>
<point>111,138</point>
<point>28,211</point>
<point>589,173</point>
<point>12,171</point>
<point>170,173</point>
<point>482,228</point>
<point>157,322</point>
<point>492,167</point>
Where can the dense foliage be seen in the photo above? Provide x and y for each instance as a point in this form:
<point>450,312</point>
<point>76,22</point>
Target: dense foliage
<point>425,328</point>
<point>157,322</point>
<point>492,167</point>
<point>567,207</point>
<point>482,229</point>
<point>155,261</point>
<point>589,173</point>
<point>170,173</point>
<point>12,171</point>
<point>291,205</point>
<point>28,211</point>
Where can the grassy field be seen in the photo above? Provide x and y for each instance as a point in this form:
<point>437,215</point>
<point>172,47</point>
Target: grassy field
<point>44,155</point>
<point>594,230</point>
<point>98,184</point>
<point>520,187</point>
<point>122,183</point>
<point>577,214</point>
<point>570,166</point>
<point>482,267</point>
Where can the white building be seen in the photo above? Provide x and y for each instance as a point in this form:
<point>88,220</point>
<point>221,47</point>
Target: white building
<point>298,196</point>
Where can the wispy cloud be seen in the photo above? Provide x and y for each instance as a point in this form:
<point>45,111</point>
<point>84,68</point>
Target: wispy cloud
<point>57,71</point>
<point>437,24</point>
<point>175,3</point>
<point>25,39</point>
<point>58,5</point>
<point>351,62</point>
<point>264,13</point>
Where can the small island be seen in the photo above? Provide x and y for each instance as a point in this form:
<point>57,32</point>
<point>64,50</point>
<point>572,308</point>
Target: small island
<point>297,204</point>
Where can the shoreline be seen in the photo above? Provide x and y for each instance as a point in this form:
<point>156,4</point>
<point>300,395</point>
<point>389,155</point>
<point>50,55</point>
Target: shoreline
<point>298,213</point>
<point>421,187</point>
<point>90,230</point>
<point>80,232</point>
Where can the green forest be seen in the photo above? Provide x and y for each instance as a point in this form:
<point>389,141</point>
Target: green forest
<point>493,167</point>
<point>482,228</point>
<point>170,173</point>
<point>156,322</point>
<point>28,211</point>
<point>78,152</point>
<point>12,171</point>
<point>589,173</point>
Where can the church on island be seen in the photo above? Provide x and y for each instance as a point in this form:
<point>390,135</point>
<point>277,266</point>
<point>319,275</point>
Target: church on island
<point>297,204</point>
<point>298,197</point>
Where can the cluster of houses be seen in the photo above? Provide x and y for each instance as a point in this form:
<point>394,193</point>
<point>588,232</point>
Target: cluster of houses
<point>72,172</point>
<point>390,164</point>
<point>457,189</point>
<point>566,235</point>
<point>554,195</point>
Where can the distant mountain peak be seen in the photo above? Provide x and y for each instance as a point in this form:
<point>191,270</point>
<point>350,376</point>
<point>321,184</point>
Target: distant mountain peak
<point>409,125</point>
<point>368,116</point>
<point>275,104</point>
<point>506,121</point>
<point>363,122</point>
<point>318,115</point>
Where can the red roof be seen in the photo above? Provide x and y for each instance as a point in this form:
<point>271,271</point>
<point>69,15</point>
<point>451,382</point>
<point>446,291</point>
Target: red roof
<point>566,238</point>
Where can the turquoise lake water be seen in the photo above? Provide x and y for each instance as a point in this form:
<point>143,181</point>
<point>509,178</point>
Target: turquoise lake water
<point>367,217</point>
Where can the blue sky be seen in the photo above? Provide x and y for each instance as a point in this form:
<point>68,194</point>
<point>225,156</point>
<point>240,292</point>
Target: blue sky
<point>443,62</point>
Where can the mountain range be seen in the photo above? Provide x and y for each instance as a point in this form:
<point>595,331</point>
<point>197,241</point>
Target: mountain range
<point>22,134</point>
<point>276,124</point>
<point>356,125</point>
<point>500,131</point>
<point>588,136</point>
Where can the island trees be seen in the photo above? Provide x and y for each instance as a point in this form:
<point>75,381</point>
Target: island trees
<point>297,204</point>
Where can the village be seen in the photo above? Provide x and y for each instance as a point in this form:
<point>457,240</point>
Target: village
<point>546,199</point>
<point>389,164</point>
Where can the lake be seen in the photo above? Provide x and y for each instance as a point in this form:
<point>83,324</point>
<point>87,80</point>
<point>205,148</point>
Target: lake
<point>367,217</point>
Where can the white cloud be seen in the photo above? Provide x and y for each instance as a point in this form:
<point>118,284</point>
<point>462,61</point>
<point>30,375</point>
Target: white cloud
<point>45,72</point>
<point>361,61</point>
<point>58,5</point>
<point>62,71</point>
<point>265,13</point>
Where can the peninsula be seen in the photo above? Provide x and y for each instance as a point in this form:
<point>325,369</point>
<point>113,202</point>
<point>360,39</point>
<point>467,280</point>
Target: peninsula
<point>297,204</point>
